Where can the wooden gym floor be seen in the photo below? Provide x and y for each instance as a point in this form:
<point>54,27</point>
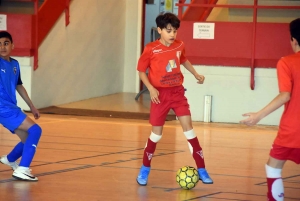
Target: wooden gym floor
<point>96,158</point>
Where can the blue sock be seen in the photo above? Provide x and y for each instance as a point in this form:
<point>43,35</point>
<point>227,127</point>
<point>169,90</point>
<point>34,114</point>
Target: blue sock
<point>16,153</point>
<point>34,134</point>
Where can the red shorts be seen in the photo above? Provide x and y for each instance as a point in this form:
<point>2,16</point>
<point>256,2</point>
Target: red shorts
<point>285,153</point>
<point>170,98</point>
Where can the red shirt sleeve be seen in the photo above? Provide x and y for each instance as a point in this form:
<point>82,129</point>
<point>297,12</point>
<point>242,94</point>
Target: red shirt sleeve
<point>284,75</point>
<point>144,60</point>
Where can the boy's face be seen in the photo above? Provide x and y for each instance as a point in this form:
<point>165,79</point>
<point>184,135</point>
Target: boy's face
<point>167,35</point>
<point>5,48</point>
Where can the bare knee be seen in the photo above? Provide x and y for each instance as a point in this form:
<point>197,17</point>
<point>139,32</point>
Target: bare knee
<point>275,163</point>
<point>186,123</point>
<point>186,126</point>
<point>21,134</point>
<point>26,124</point>
<point>157,130</point>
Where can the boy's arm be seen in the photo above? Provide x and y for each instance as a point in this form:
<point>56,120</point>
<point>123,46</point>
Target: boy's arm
<point>23,93</point>
<point>153,92</point>
<point>190,68</point>
<point>278,101</point>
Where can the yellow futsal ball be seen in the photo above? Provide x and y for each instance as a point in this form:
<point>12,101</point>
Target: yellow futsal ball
<point>187,177</point>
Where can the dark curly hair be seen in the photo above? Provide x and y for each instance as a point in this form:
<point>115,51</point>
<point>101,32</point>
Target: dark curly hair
<point>295,29</point>
<point>5,34</point>
<point>163,20</point>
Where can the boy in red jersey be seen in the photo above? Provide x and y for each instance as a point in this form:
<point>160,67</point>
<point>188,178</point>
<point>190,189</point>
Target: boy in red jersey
<point>287,143</point>
<point>163,58</point>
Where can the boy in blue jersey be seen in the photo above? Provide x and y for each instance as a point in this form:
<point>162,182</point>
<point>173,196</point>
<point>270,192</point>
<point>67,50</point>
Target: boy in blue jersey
<point>11,116</point>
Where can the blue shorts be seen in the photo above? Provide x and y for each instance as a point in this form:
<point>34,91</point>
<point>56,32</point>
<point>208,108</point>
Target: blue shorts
<point>12,119</point>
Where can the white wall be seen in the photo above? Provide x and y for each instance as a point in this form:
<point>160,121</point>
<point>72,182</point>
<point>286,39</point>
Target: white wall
<point>86,58</point>
<point>231,93</point>
<point>133,36</point>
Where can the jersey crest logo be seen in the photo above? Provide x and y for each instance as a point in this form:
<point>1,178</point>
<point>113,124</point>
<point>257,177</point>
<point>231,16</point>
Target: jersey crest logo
<point>15,70</point>
<point>3,70</point>
<point>171,65</point>
<point>200,153</point>
<point>149,156</point>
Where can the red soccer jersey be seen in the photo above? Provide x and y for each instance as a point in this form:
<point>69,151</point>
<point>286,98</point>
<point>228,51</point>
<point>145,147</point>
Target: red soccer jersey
<point>288,71</point>
<point>163,63</point>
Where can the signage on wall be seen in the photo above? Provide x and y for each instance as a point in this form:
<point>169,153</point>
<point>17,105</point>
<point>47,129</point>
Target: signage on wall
<point>169,6</point>
<point>3,23</point>
<point>204,31</point>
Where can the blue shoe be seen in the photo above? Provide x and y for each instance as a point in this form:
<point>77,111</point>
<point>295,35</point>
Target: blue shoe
<point>143,176</point>
<point>204,177</point>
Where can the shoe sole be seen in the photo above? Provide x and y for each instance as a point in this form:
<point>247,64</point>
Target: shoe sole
<point>206,182</point>
<point>141,184</point>
<point>21,179</point>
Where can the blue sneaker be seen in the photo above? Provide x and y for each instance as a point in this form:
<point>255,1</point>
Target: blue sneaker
<point>204,177</point>
<point>143,175</point>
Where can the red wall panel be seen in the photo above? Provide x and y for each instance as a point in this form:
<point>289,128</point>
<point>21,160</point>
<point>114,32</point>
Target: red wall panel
<point>21,28</point>
<point>232,45</point>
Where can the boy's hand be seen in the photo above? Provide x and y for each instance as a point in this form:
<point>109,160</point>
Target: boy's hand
<point>35,112</point>
<point>253,118</point>
<point>200,78</point>
<point>154,95</point>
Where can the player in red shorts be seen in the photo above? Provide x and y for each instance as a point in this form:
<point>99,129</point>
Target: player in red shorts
<point>287,143</point>
<point>163,58</point>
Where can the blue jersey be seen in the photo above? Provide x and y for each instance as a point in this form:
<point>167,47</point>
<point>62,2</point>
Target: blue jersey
<point>9,79</point>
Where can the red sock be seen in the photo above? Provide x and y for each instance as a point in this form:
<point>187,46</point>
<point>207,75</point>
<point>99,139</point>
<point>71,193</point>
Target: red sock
<point>197,153</point>
<point>148,153</point>
<point>277,188</point>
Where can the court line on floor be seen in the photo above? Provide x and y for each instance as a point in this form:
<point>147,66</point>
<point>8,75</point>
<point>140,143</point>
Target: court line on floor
<point>109,164</point>
<point>50,173</point>
<point>85,166</point>
<point>283,178</point>
<point>235,193</point>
